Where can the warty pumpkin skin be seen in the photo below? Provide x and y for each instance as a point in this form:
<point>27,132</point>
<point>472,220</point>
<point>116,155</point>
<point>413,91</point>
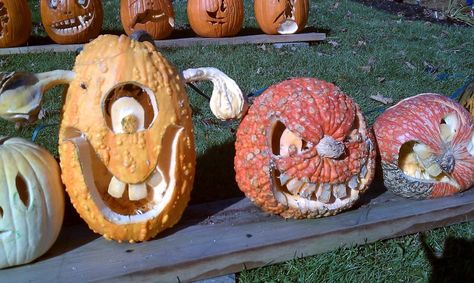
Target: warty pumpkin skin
<point>72,21</point>
<point>126,126</point>
<point>426,144</point>
<point>304,150</point>
<point>155,17</point>
<point>15,22</point>
<point>31,201</point>
<point>281,16</point>
<point>216,18</point>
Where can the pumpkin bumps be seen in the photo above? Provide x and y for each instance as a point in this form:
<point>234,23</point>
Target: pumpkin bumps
<point>304,150</point>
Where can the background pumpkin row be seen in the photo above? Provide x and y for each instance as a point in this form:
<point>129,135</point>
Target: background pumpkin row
<point>78,21</point>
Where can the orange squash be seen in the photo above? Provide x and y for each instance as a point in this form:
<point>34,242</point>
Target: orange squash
<point>15,22</point>
<point>126,129</point>
<point>72,21</point>
<point>156,17</point>
<point>281,16</point>
<point>216,18</point>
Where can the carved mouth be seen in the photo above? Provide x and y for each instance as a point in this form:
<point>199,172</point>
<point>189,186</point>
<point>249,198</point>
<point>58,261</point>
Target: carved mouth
<point>144,200</point>
<point>148,16</point>
<point>73,25</point>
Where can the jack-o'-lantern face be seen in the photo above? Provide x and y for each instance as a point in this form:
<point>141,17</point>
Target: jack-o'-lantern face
<point>426,144</point>
<point>126,143</point>
<point>72,21</point>
<point>304,150</point>
<point>281,16</point>
<point>155,17</point>
<point>215,18</point>
<point>15,22</point>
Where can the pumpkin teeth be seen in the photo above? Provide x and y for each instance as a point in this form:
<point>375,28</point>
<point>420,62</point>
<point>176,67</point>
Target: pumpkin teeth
<point>72,25</point>
<point>137,191</point>
<point>116,187</point>
<point>353,182</point>
<point>294,186</point>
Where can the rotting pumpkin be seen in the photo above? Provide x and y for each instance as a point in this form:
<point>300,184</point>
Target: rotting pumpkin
<point>281,16</point>
<point>304,150</point>
<point>126,140</point>
<point>426,144</point>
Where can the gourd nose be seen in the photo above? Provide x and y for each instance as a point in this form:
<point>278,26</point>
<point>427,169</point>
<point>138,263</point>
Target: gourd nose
<point>127,115</point>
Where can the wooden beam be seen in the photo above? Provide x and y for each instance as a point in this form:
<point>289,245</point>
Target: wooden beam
<point>227,236</point>
<point>181,42</point>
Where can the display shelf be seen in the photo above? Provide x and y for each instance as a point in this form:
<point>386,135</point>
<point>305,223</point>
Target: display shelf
<point>182,42</point>
<point>228,236</point>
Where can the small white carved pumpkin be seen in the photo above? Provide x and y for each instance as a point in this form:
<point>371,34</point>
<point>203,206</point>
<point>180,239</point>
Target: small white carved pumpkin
<point>31,201</point>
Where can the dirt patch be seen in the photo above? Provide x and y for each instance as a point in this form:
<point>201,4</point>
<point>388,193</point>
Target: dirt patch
<point>424,10</point>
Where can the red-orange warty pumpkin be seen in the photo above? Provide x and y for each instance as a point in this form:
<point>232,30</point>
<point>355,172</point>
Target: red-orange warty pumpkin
<point>156,17</point>
<point>426,143</point>
<point>126,140</point>
<point>304,150</point>
<point>281,16</point>
<point>72,21</point>
<point>15,22</point>
<point>216,18</point>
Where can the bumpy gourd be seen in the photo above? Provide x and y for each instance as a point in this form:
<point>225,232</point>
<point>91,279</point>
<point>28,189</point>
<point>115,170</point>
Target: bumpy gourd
<point>304,150</point>
<point>426,144</point>
<point>31,201</point>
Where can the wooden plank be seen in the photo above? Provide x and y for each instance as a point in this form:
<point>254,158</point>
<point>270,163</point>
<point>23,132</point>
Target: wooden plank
<point>227,236</point>
<point>182,42</point>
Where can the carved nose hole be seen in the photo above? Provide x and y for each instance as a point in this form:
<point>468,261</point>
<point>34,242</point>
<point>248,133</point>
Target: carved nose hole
<point>22,189</point>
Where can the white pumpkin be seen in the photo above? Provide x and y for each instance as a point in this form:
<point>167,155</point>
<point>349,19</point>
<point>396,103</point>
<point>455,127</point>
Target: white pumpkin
<point>31,201</point>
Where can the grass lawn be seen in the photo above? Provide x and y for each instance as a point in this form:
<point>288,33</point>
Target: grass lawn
<point>367,52</point>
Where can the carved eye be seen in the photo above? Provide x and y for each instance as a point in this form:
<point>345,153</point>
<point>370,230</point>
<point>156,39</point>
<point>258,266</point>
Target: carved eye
<point>23,191</point>
<point>284,142</point>
<point>83,3</point>
<point>53,4</point>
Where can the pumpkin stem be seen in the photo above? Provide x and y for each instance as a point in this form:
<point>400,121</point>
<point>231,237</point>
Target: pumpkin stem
<point>330,148</point>
<point>21,93</point>
<point>227,100</point>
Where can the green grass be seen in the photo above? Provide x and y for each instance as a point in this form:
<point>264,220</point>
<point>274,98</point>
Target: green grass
<point>362,35</point>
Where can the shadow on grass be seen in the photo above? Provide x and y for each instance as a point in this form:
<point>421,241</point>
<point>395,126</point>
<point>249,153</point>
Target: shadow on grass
<point>455,264</point>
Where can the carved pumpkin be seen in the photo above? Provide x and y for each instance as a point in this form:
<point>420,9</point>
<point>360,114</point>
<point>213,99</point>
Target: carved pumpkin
<point>15,22</point>
<point>281,16</point>
<point>304,150</point>
<point>467,98</point>
<point>126,140</point>
<point>155,17</point>
<point>426,143</point>
<point>31,201</point>
<point>216,18</point>
<point>72,21</point>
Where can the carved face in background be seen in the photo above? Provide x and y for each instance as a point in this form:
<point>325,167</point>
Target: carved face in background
<point>281,16</point>
<point>216,18</point>
<point>72,21</point>
<point>125,143</point>
<point>304,150</point>
<point>156,17</point>
<point>15,22</point>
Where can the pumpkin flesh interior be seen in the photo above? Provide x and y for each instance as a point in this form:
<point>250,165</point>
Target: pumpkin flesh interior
<point>301,193</point>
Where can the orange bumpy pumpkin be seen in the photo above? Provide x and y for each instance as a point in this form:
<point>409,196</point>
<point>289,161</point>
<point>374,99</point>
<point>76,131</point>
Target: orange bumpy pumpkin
<point>426,144</point>
<point>281,16</point>
<point>126,129</point>
<point>155,17</point>
<point>216,18</point>
<point>304,150</point>
<point>72,21</point>
<point>15,22</point>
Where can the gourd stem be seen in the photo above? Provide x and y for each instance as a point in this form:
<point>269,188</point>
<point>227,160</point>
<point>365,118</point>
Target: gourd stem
<point>50,79</point>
